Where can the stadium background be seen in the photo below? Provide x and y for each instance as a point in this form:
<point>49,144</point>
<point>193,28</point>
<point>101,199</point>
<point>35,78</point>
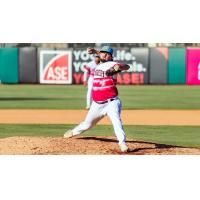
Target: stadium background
<point>150,63</point>
<point>156,89</point>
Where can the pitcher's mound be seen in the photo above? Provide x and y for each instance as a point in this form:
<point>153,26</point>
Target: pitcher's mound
<point>84,146</point>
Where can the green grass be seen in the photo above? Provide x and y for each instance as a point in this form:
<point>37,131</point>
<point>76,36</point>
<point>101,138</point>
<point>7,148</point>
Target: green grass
<point>41,97</point>
<point>185,136</point>
<point>73,97</point>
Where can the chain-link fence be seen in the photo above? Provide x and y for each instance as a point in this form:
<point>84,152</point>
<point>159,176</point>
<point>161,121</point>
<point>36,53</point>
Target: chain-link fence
<point>98,45</point>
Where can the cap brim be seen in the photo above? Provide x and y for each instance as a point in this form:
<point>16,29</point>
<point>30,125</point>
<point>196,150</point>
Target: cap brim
<point>106,52</point>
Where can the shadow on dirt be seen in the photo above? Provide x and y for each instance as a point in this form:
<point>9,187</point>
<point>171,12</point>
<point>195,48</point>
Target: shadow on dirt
<point>99,139</point>
<point>135,150</point>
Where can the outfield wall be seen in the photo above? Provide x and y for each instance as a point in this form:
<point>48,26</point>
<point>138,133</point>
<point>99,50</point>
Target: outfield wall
<point>158,65</point>
<point>28,65</point>
<point>193,66</point>
<point>177,66</point>
<point>66,66</point>
<point>9,65</point>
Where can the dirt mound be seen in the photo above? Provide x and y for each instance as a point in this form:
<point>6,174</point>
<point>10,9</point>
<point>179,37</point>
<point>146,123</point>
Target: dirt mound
<point>84,146</point>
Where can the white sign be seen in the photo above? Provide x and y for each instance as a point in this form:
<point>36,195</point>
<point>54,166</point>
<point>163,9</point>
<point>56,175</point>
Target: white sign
<point>55,67</point>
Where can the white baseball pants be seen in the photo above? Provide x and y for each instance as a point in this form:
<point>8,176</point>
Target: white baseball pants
<point>97,112</point>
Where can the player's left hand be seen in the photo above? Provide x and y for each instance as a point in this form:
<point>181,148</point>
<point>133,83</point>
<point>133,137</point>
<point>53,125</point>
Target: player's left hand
<point>113,70</point>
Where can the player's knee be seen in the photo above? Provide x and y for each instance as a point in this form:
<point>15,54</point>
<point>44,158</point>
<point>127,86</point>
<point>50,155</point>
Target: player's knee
<point>87,125</point>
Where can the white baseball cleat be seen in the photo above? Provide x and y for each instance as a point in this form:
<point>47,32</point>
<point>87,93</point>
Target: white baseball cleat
<point>68,134</point>
<point>123,147</point>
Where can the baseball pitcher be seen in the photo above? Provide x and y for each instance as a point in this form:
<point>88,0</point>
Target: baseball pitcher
<point>105,96</point>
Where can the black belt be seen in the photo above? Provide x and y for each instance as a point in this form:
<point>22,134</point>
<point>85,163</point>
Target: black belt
<point>102,102</point>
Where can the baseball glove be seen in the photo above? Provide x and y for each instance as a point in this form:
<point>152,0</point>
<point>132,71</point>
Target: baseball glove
<point>113,70</point>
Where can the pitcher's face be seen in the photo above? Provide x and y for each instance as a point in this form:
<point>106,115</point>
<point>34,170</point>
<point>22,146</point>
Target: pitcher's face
<point>97,60</point>
<point>104,56</point>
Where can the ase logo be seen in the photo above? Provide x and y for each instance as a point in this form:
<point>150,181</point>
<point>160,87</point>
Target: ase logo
<point>55,67</point>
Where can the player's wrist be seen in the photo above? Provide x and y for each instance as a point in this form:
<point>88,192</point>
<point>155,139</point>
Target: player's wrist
<point>91,51</point>
<point>117,68</point>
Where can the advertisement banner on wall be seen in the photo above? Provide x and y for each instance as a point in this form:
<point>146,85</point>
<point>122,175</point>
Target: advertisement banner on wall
<point>193,66</point>
<point>80,59</point>
<point>137,58</point>
<point>56,66</point>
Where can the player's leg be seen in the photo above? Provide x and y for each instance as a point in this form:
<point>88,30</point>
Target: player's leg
<point>113,112</point>
<point>89,93</point>
<point>93,116</point>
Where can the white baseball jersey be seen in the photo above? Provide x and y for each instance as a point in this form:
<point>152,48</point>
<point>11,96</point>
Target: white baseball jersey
<point>89,70</point>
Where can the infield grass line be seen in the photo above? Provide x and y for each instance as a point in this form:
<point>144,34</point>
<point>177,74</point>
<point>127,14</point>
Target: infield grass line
<point>184,136</point>
<point>74,97</point>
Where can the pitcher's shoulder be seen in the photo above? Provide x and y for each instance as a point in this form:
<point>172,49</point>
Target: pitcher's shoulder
<point>112,62</point>
<point>91,63</point>
<point>109,63</point>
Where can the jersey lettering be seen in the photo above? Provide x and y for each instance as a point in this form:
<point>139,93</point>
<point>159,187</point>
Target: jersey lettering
<point>99,73</point>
